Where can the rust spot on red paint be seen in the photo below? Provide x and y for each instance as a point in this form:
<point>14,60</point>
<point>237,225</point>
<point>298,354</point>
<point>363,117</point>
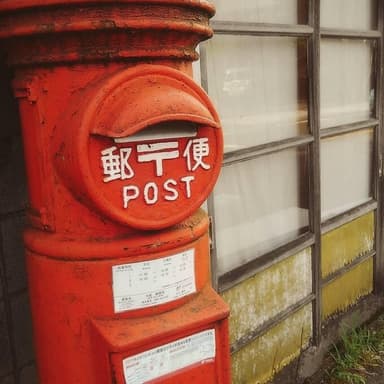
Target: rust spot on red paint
<point>49,27</point>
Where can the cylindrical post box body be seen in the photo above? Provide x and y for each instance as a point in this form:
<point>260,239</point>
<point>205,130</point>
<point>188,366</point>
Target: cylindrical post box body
<point>121,149</point>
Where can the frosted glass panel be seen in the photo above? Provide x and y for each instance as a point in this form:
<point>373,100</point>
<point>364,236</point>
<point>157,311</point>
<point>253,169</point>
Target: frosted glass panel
<point>346,172</point>
<point>261,11</point>
<point>346,86</point>
<point>259,85</point>
<point>347,14</point>
<point>259,205</point>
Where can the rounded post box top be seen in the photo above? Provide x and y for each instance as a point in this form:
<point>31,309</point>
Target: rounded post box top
<point>41,32</point>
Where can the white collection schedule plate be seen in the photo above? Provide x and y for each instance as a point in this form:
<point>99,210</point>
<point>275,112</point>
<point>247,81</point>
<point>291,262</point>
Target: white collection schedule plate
<point>148,283</point>
<point>168,358</point>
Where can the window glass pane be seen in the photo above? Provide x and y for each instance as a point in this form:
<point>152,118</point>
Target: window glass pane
<point>259,85</point>
<point>262,11</point>
<point>259,205</point>
<point>346,172</point>
<point>346,81</point>
<point>347,14</point>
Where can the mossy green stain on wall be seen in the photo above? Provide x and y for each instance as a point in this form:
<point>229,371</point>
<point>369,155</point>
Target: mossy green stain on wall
<point>342,245</point>
<point>257,362</point>
<point>268,293</point>
<point>340,294</point>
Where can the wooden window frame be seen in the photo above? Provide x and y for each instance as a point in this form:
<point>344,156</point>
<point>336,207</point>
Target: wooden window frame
<point>313,33</point>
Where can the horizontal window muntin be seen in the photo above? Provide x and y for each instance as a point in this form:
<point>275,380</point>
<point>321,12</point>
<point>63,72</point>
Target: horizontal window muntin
<point>348,216</point>
<point>264,149</point>
<point>348,267</point>
<point>349,34</point>
<point>259,264</point>
<point>264,328</point>
<point>346,128</point>
<point>258,29</point>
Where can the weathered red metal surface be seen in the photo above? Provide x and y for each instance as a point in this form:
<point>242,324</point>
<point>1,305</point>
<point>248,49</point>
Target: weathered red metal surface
<point>121,148</point>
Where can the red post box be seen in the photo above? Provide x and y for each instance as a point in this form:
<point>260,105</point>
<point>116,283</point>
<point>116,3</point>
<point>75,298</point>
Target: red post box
<point>121,149</point>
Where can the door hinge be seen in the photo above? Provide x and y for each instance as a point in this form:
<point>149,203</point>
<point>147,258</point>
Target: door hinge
<point>380,165</point>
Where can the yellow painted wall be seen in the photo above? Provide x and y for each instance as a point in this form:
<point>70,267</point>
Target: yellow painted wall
<point>343,292</point>
<point>269,292</point>
<point>257,362</point>
<point>263,296</point>
<point>342,245</point>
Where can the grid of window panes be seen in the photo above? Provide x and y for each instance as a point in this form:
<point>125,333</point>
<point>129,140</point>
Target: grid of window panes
<point>347,104</point>
<point>295,83</point>
<point>258,74</point>
<point>260,85</point>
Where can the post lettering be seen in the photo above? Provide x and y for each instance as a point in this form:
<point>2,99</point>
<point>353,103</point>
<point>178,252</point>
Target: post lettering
<point>187,180</point>
<point>130,192</point>
<point>147,192</point>
<point>174,194</point>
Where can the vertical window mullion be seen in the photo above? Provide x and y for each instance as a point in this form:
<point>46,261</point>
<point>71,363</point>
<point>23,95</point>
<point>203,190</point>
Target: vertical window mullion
<point>213,245</point>
<point>315,208</point>
<point>379,148</point>
<point>211,201</point>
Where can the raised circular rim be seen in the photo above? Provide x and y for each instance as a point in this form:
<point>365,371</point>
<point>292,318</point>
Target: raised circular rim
<point>81,147</point>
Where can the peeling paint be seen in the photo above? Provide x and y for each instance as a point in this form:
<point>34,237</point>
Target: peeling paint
<point>260,360</point>
<point>344,244</point>
<point>340,294</point>
<point>269,292</point>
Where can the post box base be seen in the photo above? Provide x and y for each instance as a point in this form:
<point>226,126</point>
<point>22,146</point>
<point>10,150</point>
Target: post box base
<point>186,345</point>
<point>136,304</point>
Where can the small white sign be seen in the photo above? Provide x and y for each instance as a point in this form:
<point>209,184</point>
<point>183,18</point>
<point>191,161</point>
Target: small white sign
<point>148,283</point>
<point>196,349</point>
